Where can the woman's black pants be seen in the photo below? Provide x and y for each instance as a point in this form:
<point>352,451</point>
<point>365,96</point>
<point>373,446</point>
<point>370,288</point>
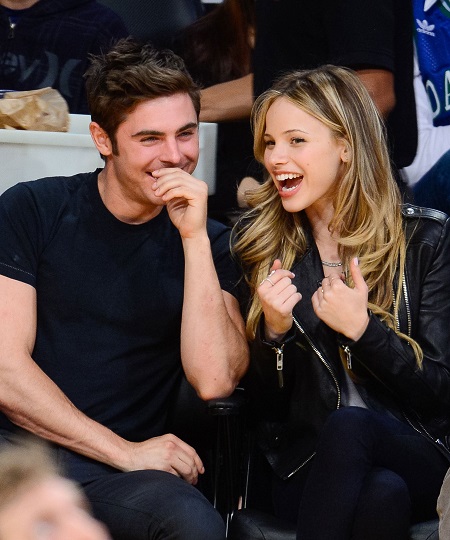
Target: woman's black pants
<point>372,477</point>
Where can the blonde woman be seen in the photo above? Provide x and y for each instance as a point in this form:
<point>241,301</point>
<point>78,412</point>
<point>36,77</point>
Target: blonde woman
<point>349,317</point>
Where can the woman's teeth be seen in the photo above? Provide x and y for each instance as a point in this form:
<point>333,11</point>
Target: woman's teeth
<point>289,176</point>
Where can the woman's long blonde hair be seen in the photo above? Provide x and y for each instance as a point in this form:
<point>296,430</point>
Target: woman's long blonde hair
<point>367,219</point>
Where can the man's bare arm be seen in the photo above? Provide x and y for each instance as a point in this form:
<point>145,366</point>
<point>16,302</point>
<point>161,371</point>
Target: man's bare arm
<point>31,400</point>
<point>380,85</point>
<point>227,101</point>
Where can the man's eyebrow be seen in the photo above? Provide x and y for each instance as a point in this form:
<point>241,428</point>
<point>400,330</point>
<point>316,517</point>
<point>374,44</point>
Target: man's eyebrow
<point>156,133</point>
<point>190,125</point>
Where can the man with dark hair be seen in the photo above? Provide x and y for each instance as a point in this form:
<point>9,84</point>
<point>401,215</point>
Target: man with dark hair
<point>114,283</point>
<point>48,42</point>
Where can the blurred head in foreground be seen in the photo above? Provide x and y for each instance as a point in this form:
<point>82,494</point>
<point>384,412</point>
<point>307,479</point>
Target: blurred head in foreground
<point>37,503</point>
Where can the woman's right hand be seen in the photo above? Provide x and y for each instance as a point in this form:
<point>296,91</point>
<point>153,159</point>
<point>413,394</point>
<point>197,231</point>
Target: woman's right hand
<point>278,297</point>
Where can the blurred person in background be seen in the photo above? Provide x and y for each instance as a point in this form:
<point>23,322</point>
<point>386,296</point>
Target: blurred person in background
<point>47,43</point>
<point>375,41</point>
<point>218,48</point>
<point>429,174</point>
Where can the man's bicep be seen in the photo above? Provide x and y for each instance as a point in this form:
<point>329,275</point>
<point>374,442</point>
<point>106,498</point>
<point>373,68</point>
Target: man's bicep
<point>17,315</point>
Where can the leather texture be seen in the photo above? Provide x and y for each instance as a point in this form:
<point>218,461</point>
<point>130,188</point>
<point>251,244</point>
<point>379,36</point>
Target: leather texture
<point>429,530</point>
<point>255,525</point>
<point>384,364</point>
<point>424,396</point>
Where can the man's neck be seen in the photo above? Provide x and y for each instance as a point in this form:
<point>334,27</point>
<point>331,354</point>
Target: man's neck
<point>18,4</point>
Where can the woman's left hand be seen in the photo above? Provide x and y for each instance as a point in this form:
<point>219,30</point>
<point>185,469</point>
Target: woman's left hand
<point>342,308</point>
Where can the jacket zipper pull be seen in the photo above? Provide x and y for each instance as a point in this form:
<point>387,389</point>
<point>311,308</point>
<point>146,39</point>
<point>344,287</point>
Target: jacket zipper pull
<point>12,27</point>
<point>348,354</point>
<point>279,351</point>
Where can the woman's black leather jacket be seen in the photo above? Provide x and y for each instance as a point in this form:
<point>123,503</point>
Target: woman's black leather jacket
<point>296,384</point>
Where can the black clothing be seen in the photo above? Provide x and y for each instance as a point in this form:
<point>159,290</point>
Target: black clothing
<point>374,475</point>
<point>49,43</point>
<point>385,365</point>
<point>109,305</point>
<point>296,34</point>
<point>109,300</point>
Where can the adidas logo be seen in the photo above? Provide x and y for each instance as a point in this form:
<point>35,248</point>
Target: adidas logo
<point>425,28</point>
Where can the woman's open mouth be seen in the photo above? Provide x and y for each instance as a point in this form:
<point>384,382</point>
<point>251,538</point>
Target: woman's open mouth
<point>288,181</point>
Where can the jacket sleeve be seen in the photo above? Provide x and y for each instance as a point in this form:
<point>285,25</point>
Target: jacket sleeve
<point>391,360</point>
<point>269,387</point>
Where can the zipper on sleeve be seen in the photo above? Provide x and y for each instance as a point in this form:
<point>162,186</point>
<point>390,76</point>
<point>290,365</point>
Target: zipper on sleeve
<point>348,355</point>
<point>279,353</point>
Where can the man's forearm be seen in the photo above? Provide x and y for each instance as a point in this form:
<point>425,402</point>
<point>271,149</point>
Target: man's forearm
<point>227,101</point>
<point>34,402</point>
<point>380,85</point>
<point>213,345</point>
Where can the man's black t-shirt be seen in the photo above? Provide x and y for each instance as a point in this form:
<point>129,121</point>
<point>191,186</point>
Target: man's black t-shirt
<point>109,298</point>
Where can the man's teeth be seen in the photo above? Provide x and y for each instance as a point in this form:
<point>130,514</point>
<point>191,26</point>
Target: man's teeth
<point>289,176</point>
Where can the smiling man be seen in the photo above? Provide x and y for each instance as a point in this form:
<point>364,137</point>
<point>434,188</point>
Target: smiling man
<point>112,284</point>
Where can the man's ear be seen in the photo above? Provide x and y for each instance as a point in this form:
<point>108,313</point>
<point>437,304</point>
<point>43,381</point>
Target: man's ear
<point>101,139</point>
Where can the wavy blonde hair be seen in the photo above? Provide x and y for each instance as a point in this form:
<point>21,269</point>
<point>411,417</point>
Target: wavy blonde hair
<point>367,217</point>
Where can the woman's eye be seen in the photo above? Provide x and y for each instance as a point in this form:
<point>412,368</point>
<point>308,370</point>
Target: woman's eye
<point>297,140</point>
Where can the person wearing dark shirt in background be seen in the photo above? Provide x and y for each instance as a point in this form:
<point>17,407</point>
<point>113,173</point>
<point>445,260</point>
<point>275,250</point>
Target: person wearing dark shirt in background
<point>47,43</point>
<point>374,40</point>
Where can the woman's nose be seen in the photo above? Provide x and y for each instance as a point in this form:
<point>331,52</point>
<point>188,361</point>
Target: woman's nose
<point>277,155</point>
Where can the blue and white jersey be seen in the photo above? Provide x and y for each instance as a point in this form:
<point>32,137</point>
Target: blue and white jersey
<point>432,35</point>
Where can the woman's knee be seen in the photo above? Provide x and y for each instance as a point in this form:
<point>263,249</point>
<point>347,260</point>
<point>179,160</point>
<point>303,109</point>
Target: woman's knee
<point>384,507</point>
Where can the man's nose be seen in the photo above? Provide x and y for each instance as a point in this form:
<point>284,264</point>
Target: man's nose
<point>170,154</point>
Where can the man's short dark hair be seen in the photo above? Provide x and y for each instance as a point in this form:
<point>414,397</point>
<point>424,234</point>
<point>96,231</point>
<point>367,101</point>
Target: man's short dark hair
<point>129,74</point>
